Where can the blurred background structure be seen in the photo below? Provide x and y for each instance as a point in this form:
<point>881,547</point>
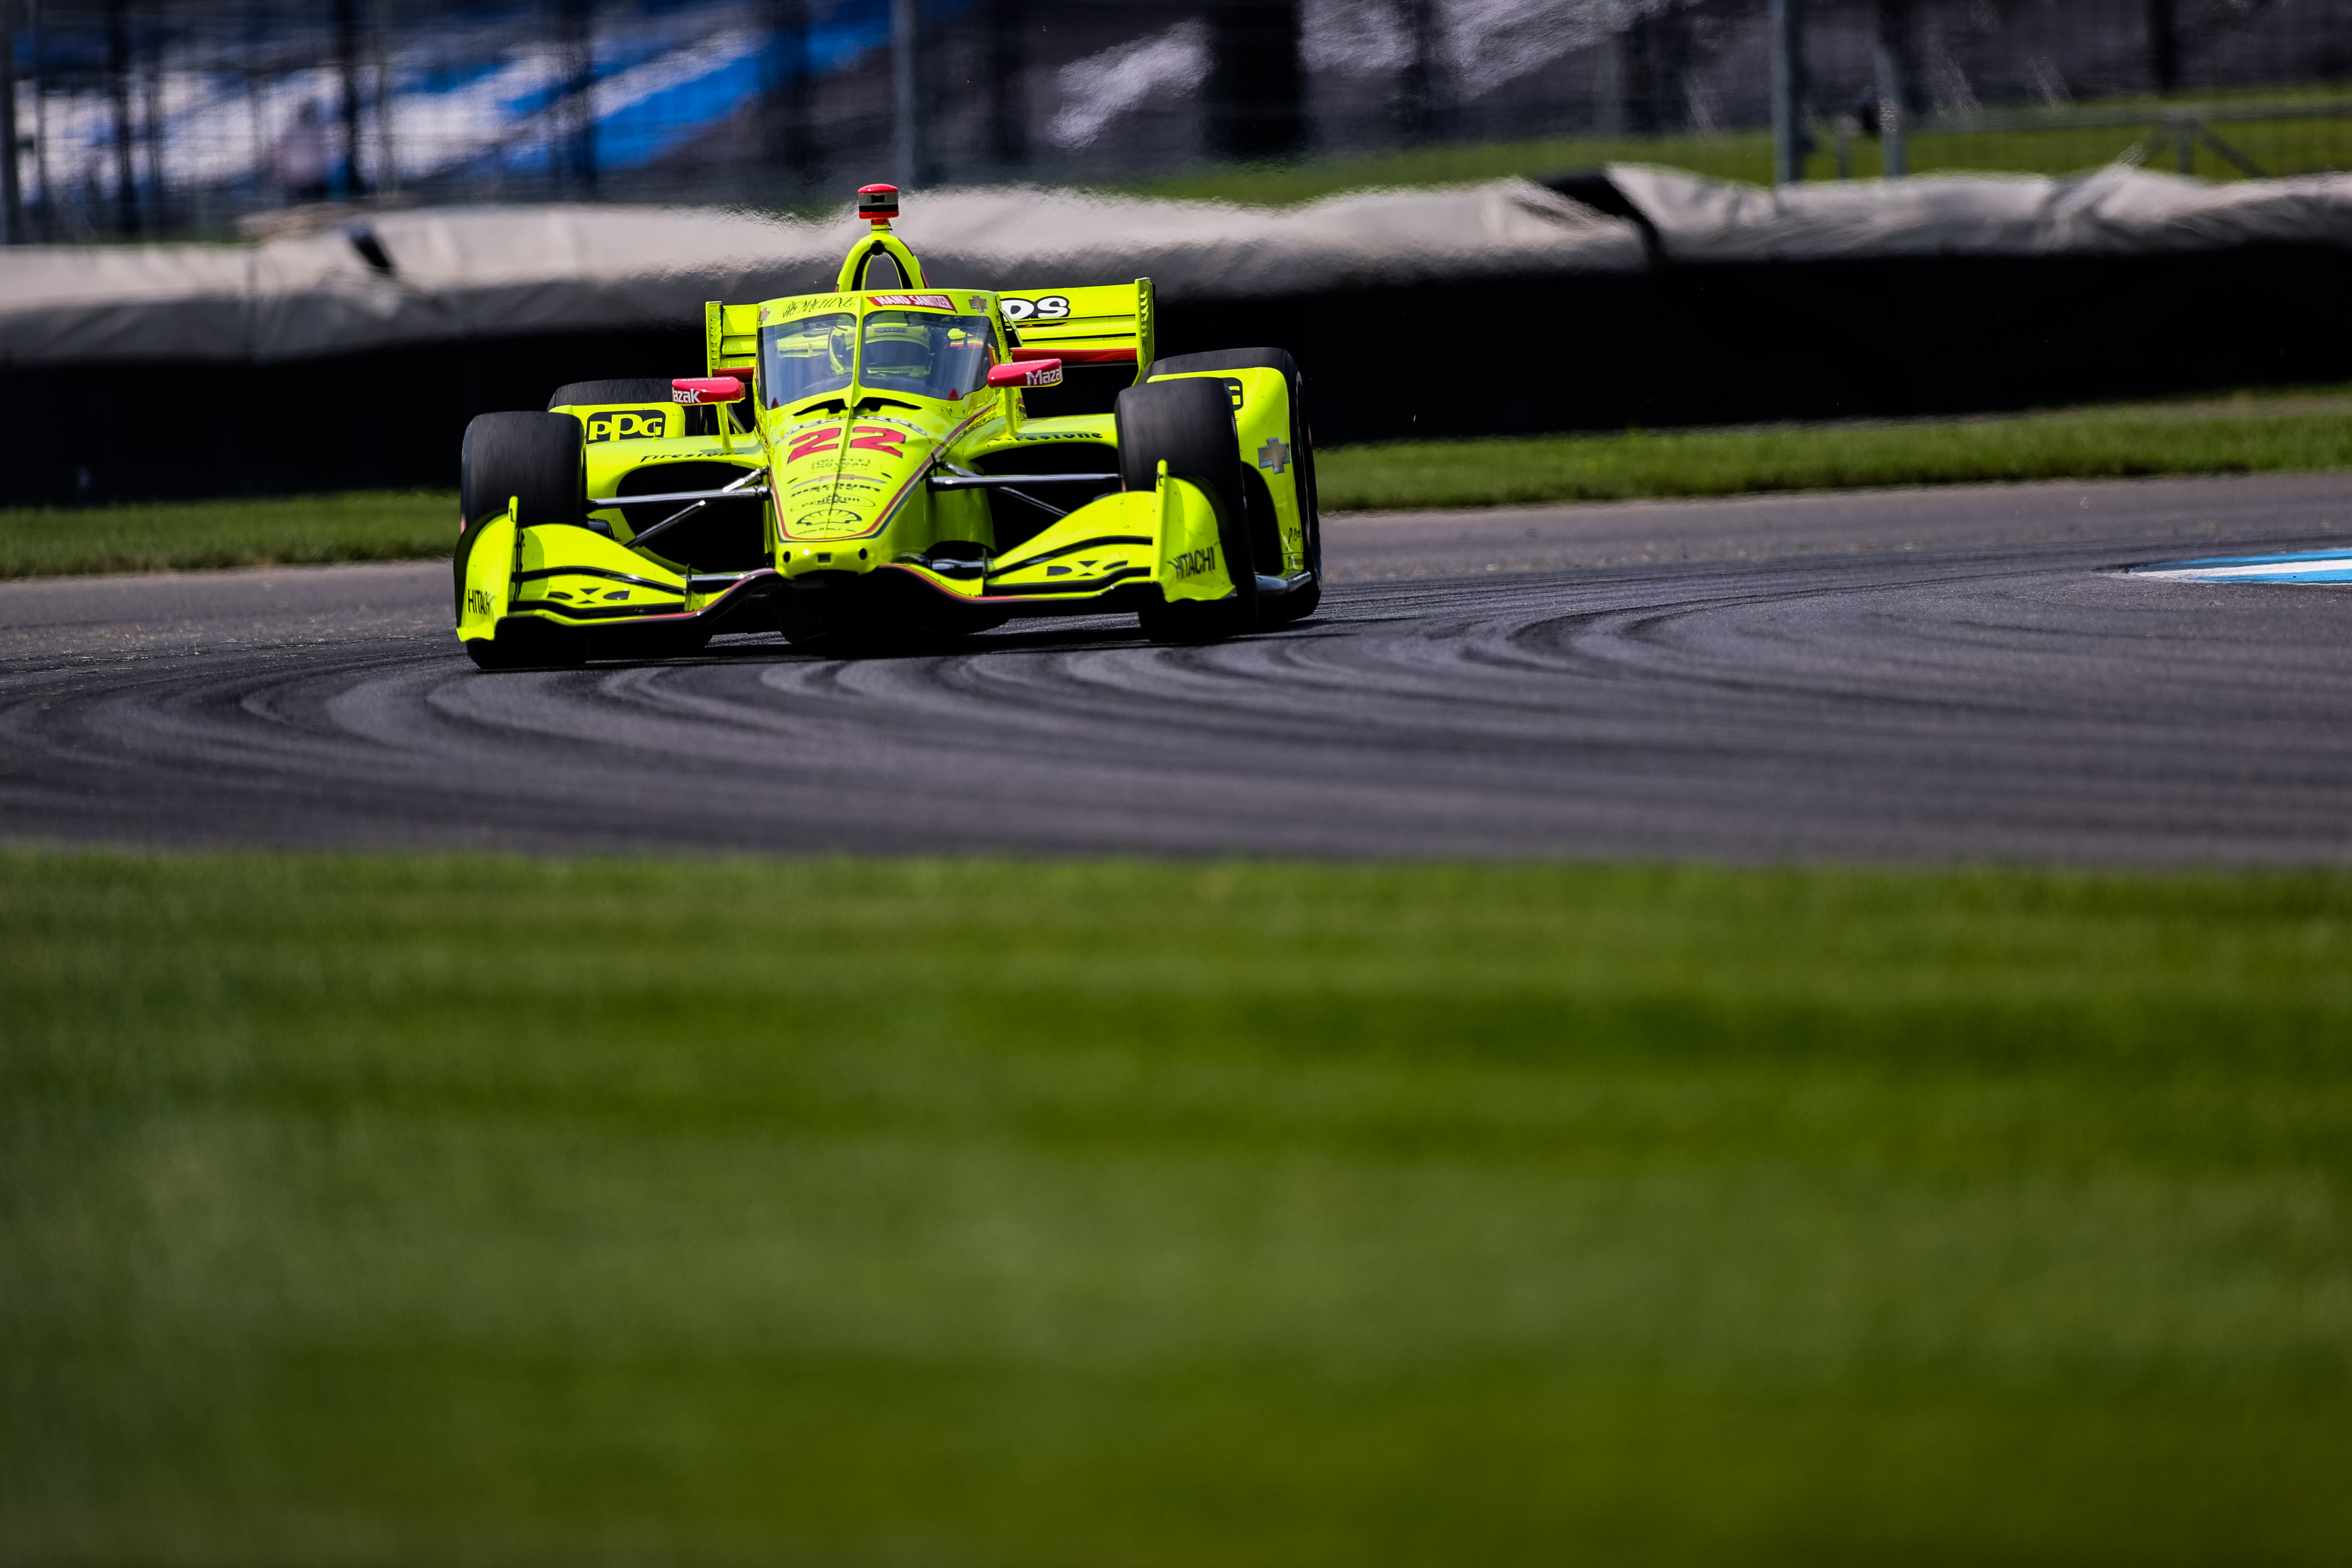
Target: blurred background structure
<point>166,118</point>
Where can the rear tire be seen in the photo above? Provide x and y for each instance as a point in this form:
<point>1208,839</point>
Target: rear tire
<point>593,393</point>
<point>1189,426</point>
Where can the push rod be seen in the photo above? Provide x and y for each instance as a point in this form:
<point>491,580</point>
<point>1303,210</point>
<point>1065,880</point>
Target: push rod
<point>1000,481</point>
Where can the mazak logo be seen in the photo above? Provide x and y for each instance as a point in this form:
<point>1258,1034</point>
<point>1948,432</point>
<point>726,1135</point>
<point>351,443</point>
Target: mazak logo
<point>627,425</point>
<point>878,438</point>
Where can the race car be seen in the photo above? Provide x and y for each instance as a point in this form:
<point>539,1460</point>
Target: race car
<point>888,459</point>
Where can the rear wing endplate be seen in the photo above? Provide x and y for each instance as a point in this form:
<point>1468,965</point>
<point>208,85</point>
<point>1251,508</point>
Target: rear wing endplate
<point>1110,324</point>
<point>730,340</point>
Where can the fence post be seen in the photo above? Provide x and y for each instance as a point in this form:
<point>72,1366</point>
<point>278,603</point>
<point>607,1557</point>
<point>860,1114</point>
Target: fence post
<point>387,164</point>
<point>1008,99</point>
<point>2163,46</point>
<point>906,138</point>
<point>1420,95</point>
<point>12,199</point>
<point>1894,91</point>
<point>1790,143</point>
<point>1256,94</point>
<point>1608,73</point>
<point>347,78</point>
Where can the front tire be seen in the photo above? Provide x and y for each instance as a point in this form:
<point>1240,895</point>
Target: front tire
<point>527,642</point>
<point>1303,601</point>
<point>1189,426</point>
<point>536,459</point>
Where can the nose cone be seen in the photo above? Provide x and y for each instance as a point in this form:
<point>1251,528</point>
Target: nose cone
<point>845,478</point>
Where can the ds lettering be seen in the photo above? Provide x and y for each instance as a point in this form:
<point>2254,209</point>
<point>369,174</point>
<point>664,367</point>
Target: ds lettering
<point>629,425</point>
<point>1045,308</point>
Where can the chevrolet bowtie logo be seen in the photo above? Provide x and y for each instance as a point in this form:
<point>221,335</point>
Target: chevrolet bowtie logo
<point>1273,456</point>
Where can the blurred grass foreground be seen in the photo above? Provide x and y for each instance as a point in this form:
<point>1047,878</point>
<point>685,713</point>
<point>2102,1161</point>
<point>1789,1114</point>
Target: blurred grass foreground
<point>398,1211</point>
<point>2249,433</point>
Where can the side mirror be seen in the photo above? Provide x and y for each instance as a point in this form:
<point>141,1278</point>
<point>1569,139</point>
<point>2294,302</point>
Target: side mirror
<point>696,390</point>
<point>1026,372</point>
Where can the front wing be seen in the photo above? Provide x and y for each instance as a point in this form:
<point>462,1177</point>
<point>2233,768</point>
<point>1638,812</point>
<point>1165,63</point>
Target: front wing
<point>1117,548</point>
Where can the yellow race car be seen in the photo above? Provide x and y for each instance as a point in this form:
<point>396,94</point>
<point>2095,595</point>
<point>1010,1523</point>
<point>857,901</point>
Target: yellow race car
<point>866,462</point>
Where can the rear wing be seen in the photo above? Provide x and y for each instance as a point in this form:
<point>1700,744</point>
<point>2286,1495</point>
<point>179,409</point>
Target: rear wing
<point>1106,325</point>
<point>1110,324</point>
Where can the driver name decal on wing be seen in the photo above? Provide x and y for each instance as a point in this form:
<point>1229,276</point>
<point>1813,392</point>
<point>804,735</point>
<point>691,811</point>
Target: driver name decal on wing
<point>878,438</point>
<point>1192,563</point>
<point>1045,308</point>
<point>627,425</point>
<point>916,301</point>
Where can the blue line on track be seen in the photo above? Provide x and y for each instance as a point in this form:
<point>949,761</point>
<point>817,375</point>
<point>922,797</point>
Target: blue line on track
<point>2298,567</point>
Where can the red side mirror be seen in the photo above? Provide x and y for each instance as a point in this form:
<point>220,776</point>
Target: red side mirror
<point>1026,372</point>
<point>706,389</point>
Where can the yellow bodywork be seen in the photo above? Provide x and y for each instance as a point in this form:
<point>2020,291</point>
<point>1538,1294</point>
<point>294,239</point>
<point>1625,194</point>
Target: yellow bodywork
<point>849,477</point>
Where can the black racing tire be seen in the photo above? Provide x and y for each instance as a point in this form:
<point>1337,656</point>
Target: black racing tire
<point>1301,602</point>
<point>667,639</point>
<point>527,642</point>
<point>628,389</point>
<point>1189,426</point>
<point>536,459</point>
<point>1225,359</point>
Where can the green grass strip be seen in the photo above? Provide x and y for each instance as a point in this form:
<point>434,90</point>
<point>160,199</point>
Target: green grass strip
<point>2311,144</point>
<point>2273,431</point>
<point>2081,445</point>
<point>361,525</point>
<point>422,1210</point>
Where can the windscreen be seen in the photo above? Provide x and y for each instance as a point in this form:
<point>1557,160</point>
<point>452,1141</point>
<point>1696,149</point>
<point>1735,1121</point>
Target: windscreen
<point>926,353</point>
<point>802,358</point>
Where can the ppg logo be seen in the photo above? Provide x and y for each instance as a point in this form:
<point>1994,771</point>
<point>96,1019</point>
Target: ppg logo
<point>627,425</point>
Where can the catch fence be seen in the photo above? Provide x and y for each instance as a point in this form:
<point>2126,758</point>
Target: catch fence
<point>128,119</point>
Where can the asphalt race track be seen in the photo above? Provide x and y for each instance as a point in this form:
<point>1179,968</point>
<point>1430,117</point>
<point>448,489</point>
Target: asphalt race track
<point>1949,674</point>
